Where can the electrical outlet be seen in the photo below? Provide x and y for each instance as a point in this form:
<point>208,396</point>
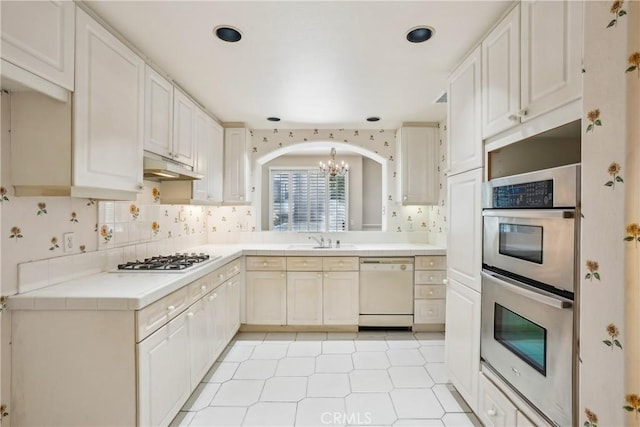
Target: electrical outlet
<point>69,242</point>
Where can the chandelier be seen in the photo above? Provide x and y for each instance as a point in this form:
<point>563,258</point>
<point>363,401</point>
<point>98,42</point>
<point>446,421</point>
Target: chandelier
<point>331,168</point>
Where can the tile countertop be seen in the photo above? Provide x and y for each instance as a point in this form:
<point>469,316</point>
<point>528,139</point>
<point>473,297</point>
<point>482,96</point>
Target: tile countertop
<point>133,291</point>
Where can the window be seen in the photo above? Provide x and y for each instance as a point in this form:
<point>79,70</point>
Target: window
<point>306,200</point>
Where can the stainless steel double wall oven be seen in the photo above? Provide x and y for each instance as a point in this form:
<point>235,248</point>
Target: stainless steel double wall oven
<point>531,224</point>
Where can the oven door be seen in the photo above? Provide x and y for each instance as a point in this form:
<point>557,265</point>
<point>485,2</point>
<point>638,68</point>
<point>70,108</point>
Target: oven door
<point>534,243</point>
<point>527,338</point>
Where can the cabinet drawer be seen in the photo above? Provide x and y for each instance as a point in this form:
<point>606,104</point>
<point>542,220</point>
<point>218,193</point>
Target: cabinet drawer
<point>302,263</point>
<point>430,291</point>
<point>201,287</point>
<point>340,264</point>
<point>494,409</point>
<point>428,311</point>
<point>438,262</point>
<point>266,263</point>
<point>160,312</point>
<point>232,269</point>
<point>430,277</point>
<point>218,276</point>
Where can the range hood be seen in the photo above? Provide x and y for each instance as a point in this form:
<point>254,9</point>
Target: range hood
<point>160,169</point>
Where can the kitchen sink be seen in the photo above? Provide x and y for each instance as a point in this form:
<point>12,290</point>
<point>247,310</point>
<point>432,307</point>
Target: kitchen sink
<point>303,247</point>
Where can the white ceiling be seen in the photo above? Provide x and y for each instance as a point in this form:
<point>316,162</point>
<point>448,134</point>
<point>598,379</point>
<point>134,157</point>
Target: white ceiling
<point>326,64</point>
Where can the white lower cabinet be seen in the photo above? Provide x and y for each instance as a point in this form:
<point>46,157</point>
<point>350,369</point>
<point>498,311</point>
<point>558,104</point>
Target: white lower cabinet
<point>200,343</point>
<point>304,298</point>
<point>232,302</point>
<point>462,340</point>
<point>340,298</point>
<point>494,409</point>
<point>218,319</point>
<point>163,373</point>
<point>266,297</point>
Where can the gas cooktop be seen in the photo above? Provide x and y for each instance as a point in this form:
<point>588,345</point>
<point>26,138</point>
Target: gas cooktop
<point>167,264</point>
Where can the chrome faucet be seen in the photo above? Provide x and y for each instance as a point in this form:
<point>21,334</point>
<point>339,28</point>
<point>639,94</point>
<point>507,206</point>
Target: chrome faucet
<point>320,241</point>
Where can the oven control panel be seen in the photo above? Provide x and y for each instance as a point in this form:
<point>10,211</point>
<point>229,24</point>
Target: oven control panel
<point>538,194</point>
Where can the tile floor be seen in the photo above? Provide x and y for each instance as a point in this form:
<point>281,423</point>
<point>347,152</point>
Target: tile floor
<point>368,378</point>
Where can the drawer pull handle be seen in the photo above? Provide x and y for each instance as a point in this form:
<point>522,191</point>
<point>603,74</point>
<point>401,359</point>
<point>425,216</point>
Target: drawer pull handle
<point>171,307</point>
<point>281,274</point>
<point>264,264</point>
<point>203,288</point>
<point>431,263</point>
<point>515,371</point>
<point>211,298</point>
<point>492,412</point>
<point>220,276</point>
<point>430,292</point>
<point>215,296</point>
<point>319,275</point>
<point>445,281</point>
<point>190,314</point>
<point>429,312</point>
<point>431,278</point>
<point>326,274</point>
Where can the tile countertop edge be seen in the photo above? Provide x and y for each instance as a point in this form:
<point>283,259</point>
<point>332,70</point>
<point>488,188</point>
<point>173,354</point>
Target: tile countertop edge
<point>60,297</point>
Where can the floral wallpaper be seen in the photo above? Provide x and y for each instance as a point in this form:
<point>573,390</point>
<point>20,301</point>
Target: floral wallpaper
<point>609,236</point>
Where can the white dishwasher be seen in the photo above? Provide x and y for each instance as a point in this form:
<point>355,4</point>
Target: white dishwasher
<point>386,292</point>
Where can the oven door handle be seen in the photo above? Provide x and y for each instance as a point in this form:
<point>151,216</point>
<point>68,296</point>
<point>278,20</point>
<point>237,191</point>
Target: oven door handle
<point>528,291</point>
<point>530,213</point>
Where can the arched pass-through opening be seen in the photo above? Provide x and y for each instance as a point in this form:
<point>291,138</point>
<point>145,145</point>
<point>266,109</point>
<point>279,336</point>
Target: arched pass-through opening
<point>316,147</point>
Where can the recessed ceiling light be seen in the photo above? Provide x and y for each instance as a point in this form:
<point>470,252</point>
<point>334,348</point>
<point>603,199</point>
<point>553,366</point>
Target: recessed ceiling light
<point>420,34</point>
<point>373,119</point>
<point>227,34</point>
<point>273,119</point>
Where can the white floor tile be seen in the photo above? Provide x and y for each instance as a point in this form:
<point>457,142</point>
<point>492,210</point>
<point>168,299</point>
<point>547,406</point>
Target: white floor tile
<point>399,335</point>
<point>238,393</point>
<point>461,420</point>
<point>296,367</point>
<point>182,419</point>
<point>437,372</point>
<point>338,347</point>
<point>341,335</point>
<point>416,403</point>
<point>270,414</point>
<point>304,348</point>
<point>371,360</point>
<point>219,416</point>
<point>328,385</point>
<point>284,389</point>
<point>450,399</point>
<point>433,353</point>
<point>270,351</point>
<point>256,369</point>
<point>402,343</point>
<point>405,357</point>
<point>237,353</point>
<point>321,411</point>
<point>221,372</point>
<point>311,336</point>
<point>369,381</point>
<point>418,423</point>
<point>250,338</point>
<point>367,335</point>
<point>410,377</point>
<point>371,345</point>
<point>201,397</point>
<point>334,363</point>
<point>370,408</point>
<point>281,336</point>
<point>430,338</point>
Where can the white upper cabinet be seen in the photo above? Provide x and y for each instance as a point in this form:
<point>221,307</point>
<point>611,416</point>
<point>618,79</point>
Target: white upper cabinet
<point>551,42</point>
<point>158,113</point>
<point>209,149</point>
<point>38,36</point>
<point>108,126</point>
<point>236,165</point>
<point>501,76</point>
<point>417,160</point>
<point>184,129</point>
<point>464,116</point>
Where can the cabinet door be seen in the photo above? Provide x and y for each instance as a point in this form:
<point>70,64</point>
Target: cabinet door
<point>462,340</point>
<point>199,341</point>
<point>108,110</point>
<point>266,297</point>
<point>39,37</point>
<point>184,133</point>
<point>216,161</point>
<point>304,298</point>
<point>235,164</point>
<point>340,297</point>
<point>233,307</point>
<point>219,319</point>
<point>552,39</point>
<point>464,233</point>
<point>464,116</point>
<point>203,155</point>
<point>163,373</point>
<point>418,162</point>
<point>501,76</point>
<point>494,409</point>
<point>158,113</point>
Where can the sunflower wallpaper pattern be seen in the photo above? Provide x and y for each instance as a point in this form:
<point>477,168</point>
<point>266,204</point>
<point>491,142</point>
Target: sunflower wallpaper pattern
<point>610,249</point>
